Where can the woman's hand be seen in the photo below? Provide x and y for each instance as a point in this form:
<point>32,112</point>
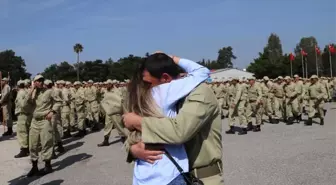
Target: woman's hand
<point>140,152</point>
<point>132,121</point>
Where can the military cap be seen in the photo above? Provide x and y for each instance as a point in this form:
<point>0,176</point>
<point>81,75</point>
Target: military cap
<point>20,82</point>
<point>47,82</point>
<point>61,82</point>
<point>77,83</point>
<point>287,78</point>
<point>26,81</point>
<point>127,80</point>
<point>90,81</point>
<point>280,78</point>
<point>296,76</point>
<point>38,77</point>
<point>235,78</point>
<point>265,78</point>
<point>5,79</point>
<point>251,78</point>
<point>109,81</point>
<point>84,82</point>
<point>67,83</point>
<point>314,77</point>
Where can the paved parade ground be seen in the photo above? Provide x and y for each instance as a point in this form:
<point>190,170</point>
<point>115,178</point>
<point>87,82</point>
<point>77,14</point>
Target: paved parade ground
<point>279,155</point>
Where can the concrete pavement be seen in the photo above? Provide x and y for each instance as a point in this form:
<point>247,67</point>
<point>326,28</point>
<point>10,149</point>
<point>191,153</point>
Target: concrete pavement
<point>279,155</point>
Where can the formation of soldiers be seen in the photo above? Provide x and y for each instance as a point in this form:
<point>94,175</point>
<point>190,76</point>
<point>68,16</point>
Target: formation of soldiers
<point>285,99</point>
<point>49,112</point>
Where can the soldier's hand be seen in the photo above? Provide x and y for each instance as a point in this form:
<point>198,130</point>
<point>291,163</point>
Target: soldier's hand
<point>132,121</point>
<point>49,116</point>
<point>140,152</point>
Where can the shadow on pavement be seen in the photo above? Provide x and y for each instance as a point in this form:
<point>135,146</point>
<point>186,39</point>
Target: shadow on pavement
<point>71,147</point>
<point>54,182</point>
<point>60,165</point>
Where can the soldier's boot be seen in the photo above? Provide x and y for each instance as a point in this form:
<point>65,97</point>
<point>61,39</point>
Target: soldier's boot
<point>309,122</point>
<point>299,118</point>
<point>105,142</point>
<point>66,134</point>
<point>60,148</point>
<point>276,121</point>
<point>290,121</point>
<point>230,131</point>
<point>95,127</point>
<point>321,121</point>
<point>24,152</point>
<point>80,133</point>
<point>47,168</point>
<point>256,128</point>
<point>9,132</point>
<point>34,171</point>
<point>325,111</point>
<point>270,119</point>
<point>242,131</point>
<point>249,126</point>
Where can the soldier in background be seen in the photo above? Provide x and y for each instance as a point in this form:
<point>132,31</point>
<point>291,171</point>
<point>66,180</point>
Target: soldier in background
<point>80,104</point>
<point>317,96</point>
<point>279,95</point>
<point>6,105</point>
<point>254,105</point>
<point>300,90</point>
<point>292,105</point>
<point>23,121</point>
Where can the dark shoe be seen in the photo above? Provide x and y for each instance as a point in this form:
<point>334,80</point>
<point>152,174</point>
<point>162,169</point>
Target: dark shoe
<point>249,126</point>
<point>105,142</point>
<point>270,119</point>
<point>95,128</point>
<point>230,131</point>
<point>325,111</point>
<point>309,122</point>
<point>60,148</point>
<point>9,132</point>
<point>66,135</point>
<point>299,118</point>
<point>24,152</point>
<point>256,128</point>
<point>34,171</point>
<point>47,168</point>
<point>322,121</point>
<point>243,131</point>
<point>276,121</point>
<point>290,121</point>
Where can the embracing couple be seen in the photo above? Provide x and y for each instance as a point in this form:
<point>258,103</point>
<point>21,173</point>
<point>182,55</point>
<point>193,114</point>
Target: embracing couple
<point>174,123</point>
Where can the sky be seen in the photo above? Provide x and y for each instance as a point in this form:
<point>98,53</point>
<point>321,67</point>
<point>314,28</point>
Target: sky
<point>44,32</point>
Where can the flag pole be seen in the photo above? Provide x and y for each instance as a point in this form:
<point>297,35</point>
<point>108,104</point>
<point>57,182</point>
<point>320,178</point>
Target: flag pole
<point>291,66</point>
<point>306,68</point>
<point>330,64</point>
<point>317,71</point>
<point>302,64</point>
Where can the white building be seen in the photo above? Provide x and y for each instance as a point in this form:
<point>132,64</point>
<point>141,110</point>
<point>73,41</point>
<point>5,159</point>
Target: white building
<point>229,72</point>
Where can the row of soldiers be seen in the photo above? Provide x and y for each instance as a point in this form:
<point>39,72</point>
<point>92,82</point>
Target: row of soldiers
<point>281,98</point>
<point>48,112</point>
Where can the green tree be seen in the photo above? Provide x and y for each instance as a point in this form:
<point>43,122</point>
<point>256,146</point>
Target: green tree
<point>273,49</point>
<point>78,48</point>
<point>225,56</point>
<point>13,65</point>
<point>308,45</point>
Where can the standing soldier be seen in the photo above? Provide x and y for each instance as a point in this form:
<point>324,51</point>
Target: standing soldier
<point>279,95</point>
<point>91,96</point>
<point>254,96</point>
<point>23,121</point>
<point>292,105</point>
<point>220,94</point>
<point>300,88</point>
<point>41,129</point>
<point>265,100</point>
<point>6,105</point>
<point>317,96</point>
<point>65,110</point>
<point>80,104</point>
<point>72,106</point>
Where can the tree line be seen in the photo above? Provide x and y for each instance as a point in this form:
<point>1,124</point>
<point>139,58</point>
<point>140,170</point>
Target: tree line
<point>271,62</point>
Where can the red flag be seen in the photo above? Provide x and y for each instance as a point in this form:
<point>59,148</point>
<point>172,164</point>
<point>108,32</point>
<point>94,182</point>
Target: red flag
<point>291,57</point>
<point>331,49</point>
<point>317,50</point>
<point>303,53</point>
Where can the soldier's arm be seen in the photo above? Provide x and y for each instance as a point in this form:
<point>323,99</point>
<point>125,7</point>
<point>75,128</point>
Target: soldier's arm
<point>195,112</point>
<point>323,94</point>
<point>5,95</point>
<point>259,94</point>
<point>238,95</point>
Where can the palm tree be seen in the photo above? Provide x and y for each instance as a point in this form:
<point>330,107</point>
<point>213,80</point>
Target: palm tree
<point>78,48</point>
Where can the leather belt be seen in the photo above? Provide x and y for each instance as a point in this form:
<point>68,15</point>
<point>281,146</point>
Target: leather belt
<point>208,171</point>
